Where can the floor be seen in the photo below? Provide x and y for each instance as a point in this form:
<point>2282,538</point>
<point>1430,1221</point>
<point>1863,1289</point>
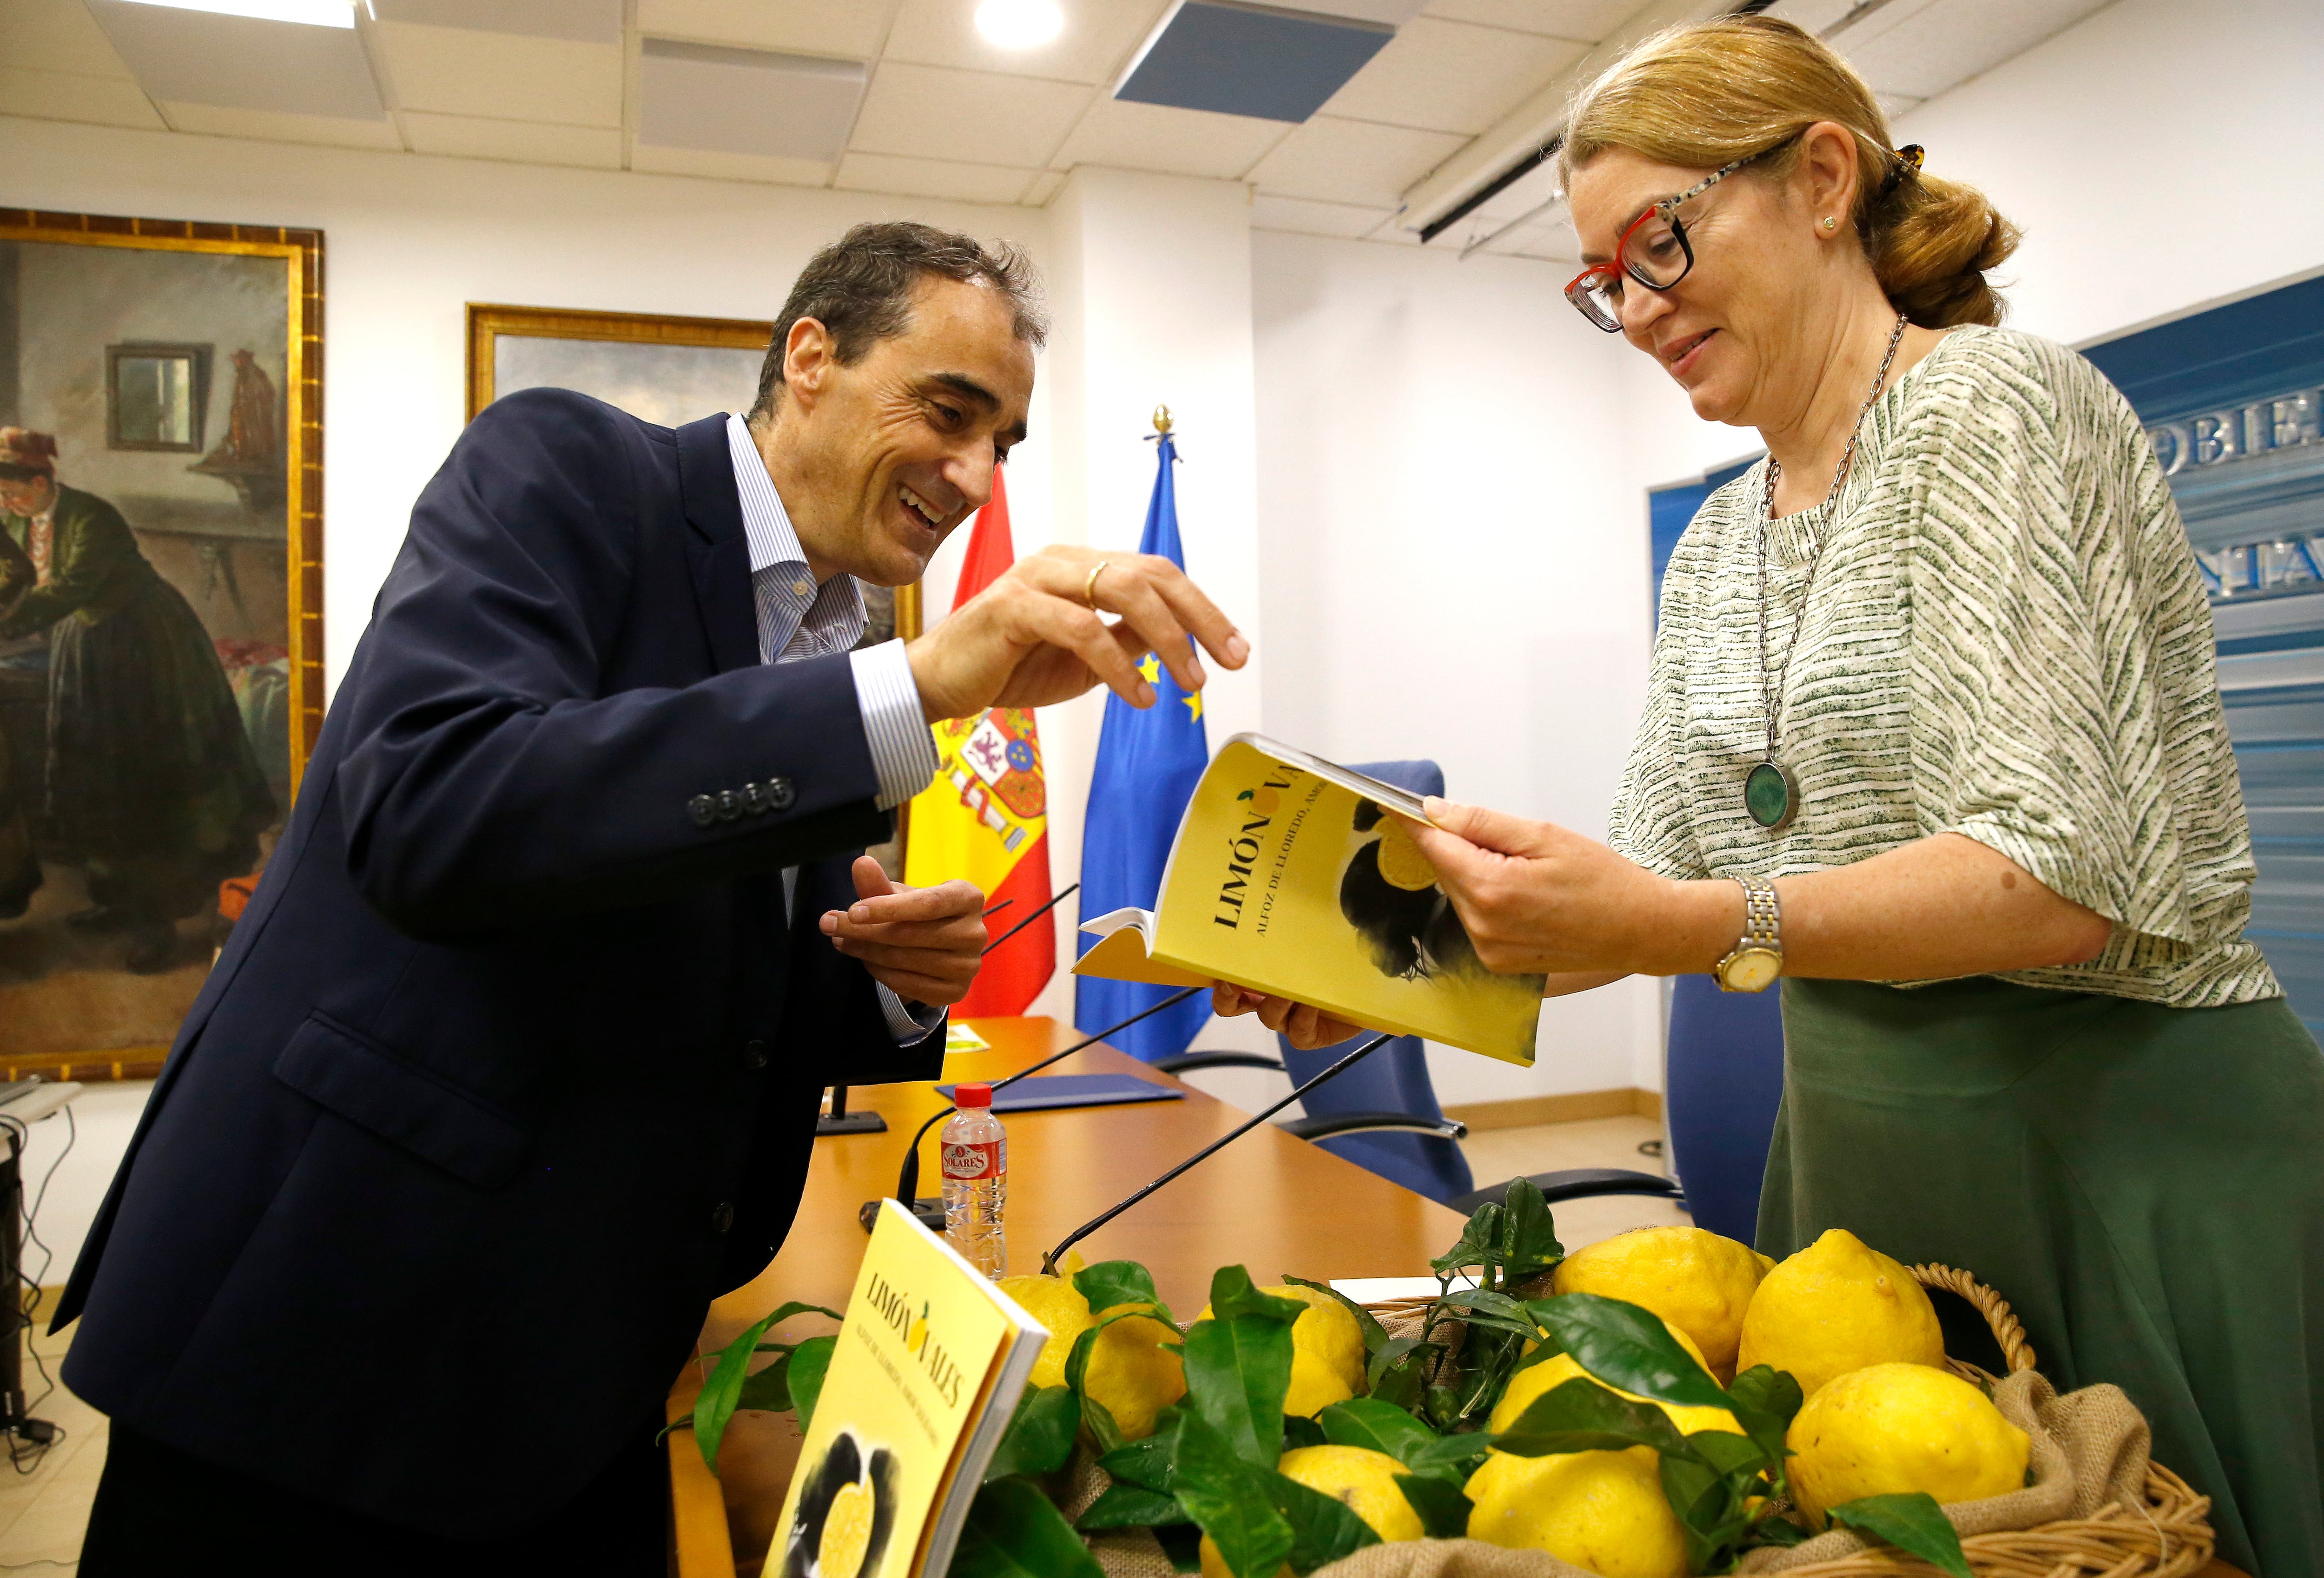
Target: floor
<point>42,1511</point>
<point>1495,1154</point>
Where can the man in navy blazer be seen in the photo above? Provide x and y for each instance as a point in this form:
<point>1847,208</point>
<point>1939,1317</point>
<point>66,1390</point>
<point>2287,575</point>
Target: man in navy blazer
<point>512,1063</point>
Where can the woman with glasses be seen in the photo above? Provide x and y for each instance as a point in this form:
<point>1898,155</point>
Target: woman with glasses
<point>1933,730</point>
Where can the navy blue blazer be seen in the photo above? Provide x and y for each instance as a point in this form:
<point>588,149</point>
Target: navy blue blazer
<point>511,1065</point>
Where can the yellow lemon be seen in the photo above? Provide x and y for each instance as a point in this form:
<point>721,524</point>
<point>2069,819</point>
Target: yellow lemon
<point>847,1533</point>
<point>1550,1374</point>
<point>1697,1282</point>
<point>1839,1306</point>
<point>1601,1510</point>
<point>1058,1305</point>
<point>1327,1352</point>
<point>1889,1429</point>
<point>1135,1371</point>
<point>1363,1479</point>
<point>1401,863</point>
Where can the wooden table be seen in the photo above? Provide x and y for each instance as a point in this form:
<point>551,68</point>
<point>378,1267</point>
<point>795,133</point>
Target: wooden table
<point>1269,1201</point>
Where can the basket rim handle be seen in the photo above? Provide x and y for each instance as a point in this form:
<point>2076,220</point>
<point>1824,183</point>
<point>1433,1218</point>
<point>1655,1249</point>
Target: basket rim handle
<point>2008,1330</point>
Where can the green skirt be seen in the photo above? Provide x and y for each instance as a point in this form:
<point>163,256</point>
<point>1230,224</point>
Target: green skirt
<point>2145,1185</point>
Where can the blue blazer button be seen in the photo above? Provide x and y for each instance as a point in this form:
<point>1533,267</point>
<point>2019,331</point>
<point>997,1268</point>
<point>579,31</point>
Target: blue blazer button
<point>730,805</point>
<point>703,810</point>
<point>779,793</point>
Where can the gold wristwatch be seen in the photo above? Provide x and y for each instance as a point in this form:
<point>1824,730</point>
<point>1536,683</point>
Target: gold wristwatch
<point>1758,956</point>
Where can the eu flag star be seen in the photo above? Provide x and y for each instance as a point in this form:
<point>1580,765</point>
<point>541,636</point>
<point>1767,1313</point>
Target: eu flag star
<point>1194,703</point>
<point>1151,669</point>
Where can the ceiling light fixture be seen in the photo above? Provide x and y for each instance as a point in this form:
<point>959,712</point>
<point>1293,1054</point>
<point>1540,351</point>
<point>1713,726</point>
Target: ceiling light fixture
<point>308,13</point>
<point>1020,25</point>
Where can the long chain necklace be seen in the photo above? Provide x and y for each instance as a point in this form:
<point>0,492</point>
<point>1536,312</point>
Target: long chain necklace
<point>1770,792</point>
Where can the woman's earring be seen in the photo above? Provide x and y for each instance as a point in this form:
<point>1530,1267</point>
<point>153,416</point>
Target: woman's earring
<point>1830,222</point>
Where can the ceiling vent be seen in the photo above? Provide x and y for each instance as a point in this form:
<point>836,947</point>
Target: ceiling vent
<point>241,62</point>
<point>589,21</point>
<point>747,101</point>
<point>1264,61</point>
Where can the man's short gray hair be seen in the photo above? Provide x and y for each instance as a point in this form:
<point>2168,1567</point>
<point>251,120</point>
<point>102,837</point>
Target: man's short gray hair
<point>860,287</point>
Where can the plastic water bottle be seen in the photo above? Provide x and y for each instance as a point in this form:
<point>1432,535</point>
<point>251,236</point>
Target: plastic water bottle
<point>975,1160</point>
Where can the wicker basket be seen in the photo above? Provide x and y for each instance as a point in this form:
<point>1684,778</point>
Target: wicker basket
<point>2167,1535</point>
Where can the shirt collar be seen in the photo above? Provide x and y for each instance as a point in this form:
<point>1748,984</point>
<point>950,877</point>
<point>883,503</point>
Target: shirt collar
<point>765,522</point>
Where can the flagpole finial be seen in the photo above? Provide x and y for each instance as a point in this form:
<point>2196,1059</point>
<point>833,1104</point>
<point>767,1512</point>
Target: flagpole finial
<point>1162,420</point>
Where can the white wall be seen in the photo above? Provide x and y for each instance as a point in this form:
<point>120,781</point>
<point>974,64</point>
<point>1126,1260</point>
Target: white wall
<point>2159,158</point>
<point>1450,566</point>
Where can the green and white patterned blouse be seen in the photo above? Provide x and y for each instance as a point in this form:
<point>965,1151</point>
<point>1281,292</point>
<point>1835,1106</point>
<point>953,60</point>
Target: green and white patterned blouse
<point>2007,640</point>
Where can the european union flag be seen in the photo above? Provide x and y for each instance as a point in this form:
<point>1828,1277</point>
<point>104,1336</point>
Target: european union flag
<point>1148,765</point>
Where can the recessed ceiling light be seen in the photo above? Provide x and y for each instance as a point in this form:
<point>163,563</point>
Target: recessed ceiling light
<point>1020,25</point>
<point>311,13</point>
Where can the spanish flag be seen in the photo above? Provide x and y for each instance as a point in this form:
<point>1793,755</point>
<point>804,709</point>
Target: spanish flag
<point>986,816</point>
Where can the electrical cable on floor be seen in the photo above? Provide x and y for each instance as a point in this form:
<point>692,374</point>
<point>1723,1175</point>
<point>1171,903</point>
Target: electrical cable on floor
<point>26,1450</point>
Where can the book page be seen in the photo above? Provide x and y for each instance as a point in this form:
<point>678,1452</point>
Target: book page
<point>1289,882</point>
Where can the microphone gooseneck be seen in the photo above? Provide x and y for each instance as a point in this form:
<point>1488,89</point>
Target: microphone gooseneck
<point>1029,919</point>
<point>908,1179</point>
<point>1049,1260</point>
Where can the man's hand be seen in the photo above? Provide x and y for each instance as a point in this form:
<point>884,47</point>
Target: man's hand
<point>1029,638</point>
<point>922,943</point>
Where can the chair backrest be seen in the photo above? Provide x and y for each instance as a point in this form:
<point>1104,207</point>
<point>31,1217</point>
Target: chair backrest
<point>1393,1080</point>
<point>1722,1076</point>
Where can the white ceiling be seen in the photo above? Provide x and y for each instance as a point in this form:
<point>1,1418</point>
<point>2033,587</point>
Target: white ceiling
<point>944,114</point>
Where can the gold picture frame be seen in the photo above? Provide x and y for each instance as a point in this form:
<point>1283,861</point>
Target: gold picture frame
<point>269,454</point>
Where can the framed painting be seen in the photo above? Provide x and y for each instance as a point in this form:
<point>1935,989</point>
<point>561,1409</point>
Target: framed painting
<point>666,370</point>
<point>161,612</point>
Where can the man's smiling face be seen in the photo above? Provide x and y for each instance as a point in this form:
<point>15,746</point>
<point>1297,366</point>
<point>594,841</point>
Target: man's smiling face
<point>879,461</point>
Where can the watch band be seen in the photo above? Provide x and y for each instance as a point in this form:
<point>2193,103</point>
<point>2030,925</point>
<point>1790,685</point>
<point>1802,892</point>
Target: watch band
<point>1762,914</point>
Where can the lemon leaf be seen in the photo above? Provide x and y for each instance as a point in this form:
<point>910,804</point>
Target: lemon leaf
<point>1129,1507</point>
<point>807,1367</point>
<point>1442,1506</point>
<point>1376,1336</point>
<point>1224,1493</point>
<point>1111,1283</point>
<point>1629,1347</point>
<point>1014,1531</point>
<point>1147,1462</point>
<point>1912,1522</point>
<point>1766,1402</point>
<point>1453,1457</point>
<point>1040,1434</point>
<point>1238,1370</point>
<point>1527,1240</point>
<point>1232,1293</point>
<point>768,1390</point>
<point>1582,1415</point>
<point>1324,1529</point>
<point>1363,1421</point>
<point>722,1391</point>
<point>1299,1432</point>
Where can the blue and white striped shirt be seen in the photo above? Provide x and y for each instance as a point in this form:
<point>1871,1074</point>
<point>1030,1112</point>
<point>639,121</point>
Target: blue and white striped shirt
<point>798,619</point>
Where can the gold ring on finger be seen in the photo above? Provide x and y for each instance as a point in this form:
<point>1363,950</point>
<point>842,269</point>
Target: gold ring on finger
<point>1089,587</point>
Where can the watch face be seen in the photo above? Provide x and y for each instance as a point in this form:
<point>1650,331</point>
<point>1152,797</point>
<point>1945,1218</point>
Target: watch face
<point>1750,969</point>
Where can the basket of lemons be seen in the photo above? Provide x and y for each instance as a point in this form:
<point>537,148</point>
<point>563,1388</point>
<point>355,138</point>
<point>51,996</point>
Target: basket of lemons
<point>1662,1404</point>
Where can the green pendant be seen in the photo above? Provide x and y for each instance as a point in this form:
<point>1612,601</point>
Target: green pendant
<point>1770,795</point>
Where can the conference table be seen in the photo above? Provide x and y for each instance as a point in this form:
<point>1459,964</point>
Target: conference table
<point>1270,1202</point>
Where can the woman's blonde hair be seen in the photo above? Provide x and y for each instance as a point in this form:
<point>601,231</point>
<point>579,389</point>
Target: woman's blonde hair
<point>1706,95</point>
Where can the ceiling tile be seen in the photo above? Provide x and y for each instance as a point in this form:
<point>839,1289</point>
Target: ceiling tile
<point>1551,240</point>
<point>1096,43</point>
<point>1125,135</point>
<point>932,178</point>
<point>275,126</point>
<point>756,102</point>
<point>1936,46</point>
<point>520,141</point>
<point>1045,187</point>
<point>64,96</point>
<point>1451,76</point>
<point>456,71</point>
<point>1351,161</point>
<point>1393,231</point>
<point>1395,13</point>
<point>1309,218</point>
<point>731,167</point>
<point>930,111</point>
<point>592,22</point>
<point>1244,59</point>
<point>855,28</point>
<point>237,62</point>
<point>1583,21</point>
<point>57,35</point>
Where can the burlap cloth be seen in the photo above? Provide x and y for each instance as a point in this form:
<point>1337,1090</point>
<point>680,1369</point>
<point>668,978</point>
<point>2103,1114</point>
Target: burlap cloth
<point>2089,1451</point>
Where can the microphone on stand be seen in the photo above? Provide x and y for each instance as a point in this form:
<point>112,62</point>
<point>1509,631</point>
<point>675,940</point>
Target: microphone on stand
<point>1049,1260</point>
<point>930,1209</point>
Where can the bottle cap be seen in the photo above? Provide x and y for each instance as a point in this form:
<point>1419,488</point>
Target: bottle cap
<point>972,1096</point>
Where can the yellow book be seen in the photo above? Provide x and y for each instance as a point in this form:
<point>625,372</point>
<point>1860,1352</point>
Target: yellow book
<point>1287,877</point>
<point>931,1361</point>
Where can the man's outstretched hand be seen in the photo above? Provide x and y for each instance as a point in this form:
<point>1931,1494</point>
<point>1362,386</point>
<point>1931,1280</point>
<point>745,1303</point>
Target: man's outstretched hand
<point>921,943</point>
<point>1029,638</point>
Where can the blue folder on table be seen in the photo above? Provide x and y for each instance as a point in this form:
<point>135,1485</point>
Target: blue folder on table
<point>1055,1090</point>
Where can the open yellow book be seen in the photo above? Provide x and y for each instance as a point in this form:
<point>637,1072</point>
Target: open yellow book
<point>1287,877</point>
<point>931,1361</point>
